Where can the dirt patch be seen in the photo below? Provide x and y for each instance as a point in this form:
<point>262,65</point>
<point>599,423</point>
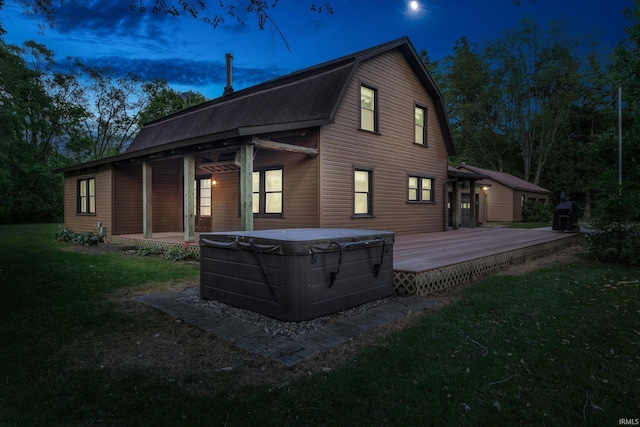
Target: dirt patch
<point>160,345</point>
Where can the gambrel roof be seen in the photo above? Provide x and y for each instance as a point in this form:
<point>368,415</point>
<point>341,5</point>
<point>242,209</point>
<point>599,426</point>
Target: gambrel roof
<point>506,179</point>
<point>303,99</point>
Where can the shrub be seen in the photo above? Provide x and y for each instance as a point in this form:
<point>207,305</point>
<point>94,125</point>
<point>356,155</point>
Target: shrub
<point>180,254</point>
<point>535,211</point>
<point>615,225</point>
<point>86,238</point>
<point>149,250</point>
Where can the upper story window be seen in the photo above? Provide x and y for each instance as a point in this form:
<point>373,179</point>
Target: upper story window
<point>368,108</point>
<point>420,125</point>
<point>420,189</point>
<point>86,203</point>
<point>268,191</point>
<point>362,192</point>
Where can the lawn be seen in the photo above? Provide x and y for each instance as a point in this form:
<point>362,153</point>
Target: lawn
<point>558,346</point>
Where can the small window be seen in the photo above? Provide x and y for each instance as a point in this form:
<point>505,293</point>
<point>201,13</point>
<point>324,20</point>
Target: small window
<point>420,189</point>
<point>86,196</point>
<point>362,193</point>
<point>368,109</point>
<point>420,132</point>
<point>268,192</point>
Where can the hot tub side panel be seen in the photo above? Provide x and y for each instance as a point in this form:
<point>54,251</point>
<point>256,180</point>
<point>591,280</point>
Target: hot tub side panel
<point>235,277</point>
<point>355,283</point>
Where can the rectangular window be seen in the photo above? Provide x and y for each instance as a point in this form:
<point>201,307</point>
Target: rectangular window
<point>268,191</point>
<point>86,196</point>
<point>420,189</point>
<point>420,126</point>
<point>362,192</point>
<point>202,196</point>
<point>368,109</point>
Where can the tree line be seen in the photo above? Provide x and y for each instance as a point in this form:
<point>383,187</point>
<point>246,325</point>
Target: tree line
<point>51,118</point>
<point>541,104</point>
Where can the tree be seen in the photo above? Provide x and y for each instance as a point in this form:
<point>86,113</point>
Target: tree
<point>28,127</point>
<point>163,100</point>
<point>471,99</point>
<point>538,78</point>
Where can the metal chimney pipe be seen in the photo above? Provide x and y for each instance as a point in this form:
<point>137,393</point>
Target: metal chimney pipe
<point>229,89</point>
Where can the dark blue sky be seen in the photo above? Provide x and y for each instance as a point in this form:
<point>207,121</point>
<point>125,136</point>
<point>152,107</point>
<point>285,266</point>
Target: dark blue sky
<point>191,54</point>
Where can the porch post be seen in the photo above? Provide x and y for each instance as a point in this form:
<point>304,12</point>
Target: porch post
<point>246,187</point>
<point>188,191</point>
<point>147,200</point>
<point>472,206</point>
<point>455,205</point>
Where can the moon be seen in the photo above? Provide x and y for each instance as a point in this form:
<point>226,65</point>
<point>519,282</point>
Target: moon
<point>414,5</point>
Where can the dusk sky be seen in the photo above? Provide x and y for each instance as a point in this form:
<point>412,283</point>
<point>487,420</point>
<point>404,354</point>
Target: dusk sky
<point>190,54</point>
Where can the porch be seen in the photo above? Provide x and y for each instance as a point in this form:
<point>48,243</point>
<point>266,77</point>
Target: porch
<point>427,262</point>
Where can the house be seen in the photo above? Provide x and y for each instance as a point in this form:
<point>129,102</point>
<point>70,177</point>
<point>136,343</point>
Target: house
<point>358,142</point>
<point>499,196</point>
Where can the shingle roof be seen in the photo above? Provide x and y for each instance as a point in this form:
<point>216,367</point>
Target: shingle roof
<point>306,98</point>
<point>506,179</point>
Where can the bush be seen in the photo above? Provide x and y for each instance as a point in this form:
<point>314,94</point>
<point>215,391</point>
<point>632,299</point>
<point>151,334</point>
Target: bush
<point>535,211</point>
<point>83,238</point>
<point>149,250</point>
<point>615,234</point>
<point>180,254</point>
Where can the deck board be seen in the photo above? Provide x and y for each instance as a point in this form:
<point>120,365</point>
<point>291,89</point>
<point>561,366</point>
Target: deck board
<point>423,252</point>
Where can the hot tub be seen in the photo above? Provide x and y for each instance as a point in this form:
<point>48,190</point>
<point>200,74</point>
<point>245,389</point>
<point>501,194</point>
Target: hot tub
<point>296,274</point>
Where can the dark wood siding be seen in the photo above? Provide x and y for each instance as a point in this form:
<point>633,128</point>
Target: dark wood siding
<point>78,222</point>
<point>300,192</point>
<point>391,154</point>
<point>127,207</point>
<point>167,195</point>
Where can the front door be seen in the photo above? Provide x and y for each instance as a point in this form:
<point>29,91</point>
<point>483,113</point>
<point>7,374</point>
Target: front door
<point>202,200</point>
<point>465,210</point>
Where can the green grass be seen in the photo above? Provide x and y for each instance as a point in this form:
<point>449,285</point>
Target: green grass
<point>558,346</point>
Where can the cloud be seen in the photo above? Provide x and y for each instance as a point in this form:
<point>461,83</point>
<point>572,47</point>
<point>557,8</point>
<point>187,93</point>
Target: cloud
<point>181,71</point>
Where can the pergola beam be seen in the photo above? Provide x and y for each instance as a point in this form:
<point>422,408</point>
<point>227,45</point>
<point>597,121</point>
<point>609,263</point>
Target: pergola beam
<point>282,146</point>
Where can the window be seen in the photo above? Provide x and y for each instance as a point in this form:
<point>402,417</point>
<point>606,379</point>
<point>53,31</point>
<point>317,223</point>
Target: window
<point>267,192</point>
<point>420,189</point>
<point>86,196</point>
<point>202,196</point>
<point>368,109</point>
<point>362,192</point>
<point>420,125</point>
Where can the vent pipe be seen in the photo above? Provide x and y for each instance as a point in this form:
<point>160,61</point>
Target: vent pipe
<point>229,89</point>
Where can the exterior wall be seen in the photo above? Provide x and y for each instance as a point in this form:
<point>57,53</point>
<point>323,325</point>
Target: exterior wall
<point>167,195</point>
<point>83,222</point>
<point>501,203</point>
<point>391,154</point>
<point>300,189</point>
<point>127,206</point>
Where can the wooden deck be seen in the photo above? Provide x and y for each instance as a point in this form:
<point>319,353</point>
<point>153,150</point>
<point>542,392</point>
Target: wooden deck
<point>424,263</point>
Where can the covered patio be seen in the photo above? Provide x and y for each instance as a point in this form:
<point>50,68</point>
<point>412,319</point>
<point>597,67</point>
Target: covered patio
<point>427,262</point>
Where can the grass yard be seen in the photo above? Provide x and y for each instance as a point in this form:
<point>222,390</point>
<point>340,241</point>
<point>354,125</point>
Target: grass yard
<point>557,346</point>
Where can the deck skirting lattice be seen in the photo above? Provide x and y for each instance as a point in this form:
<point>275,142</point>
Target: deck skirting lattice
<point>425,282</point>
<point>190,247</point>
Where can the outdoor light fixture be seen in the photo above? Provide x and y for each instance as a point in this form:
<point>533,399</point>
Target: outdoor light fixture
<point>214,181</point>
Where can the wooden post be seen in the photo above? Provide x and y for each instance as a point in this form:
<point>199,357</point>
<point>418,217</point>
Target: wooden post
<point>147,200</point>
<point>472,204</point>
<point>189,197</point>
<point>246,187</point>
<point>455,205</point>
